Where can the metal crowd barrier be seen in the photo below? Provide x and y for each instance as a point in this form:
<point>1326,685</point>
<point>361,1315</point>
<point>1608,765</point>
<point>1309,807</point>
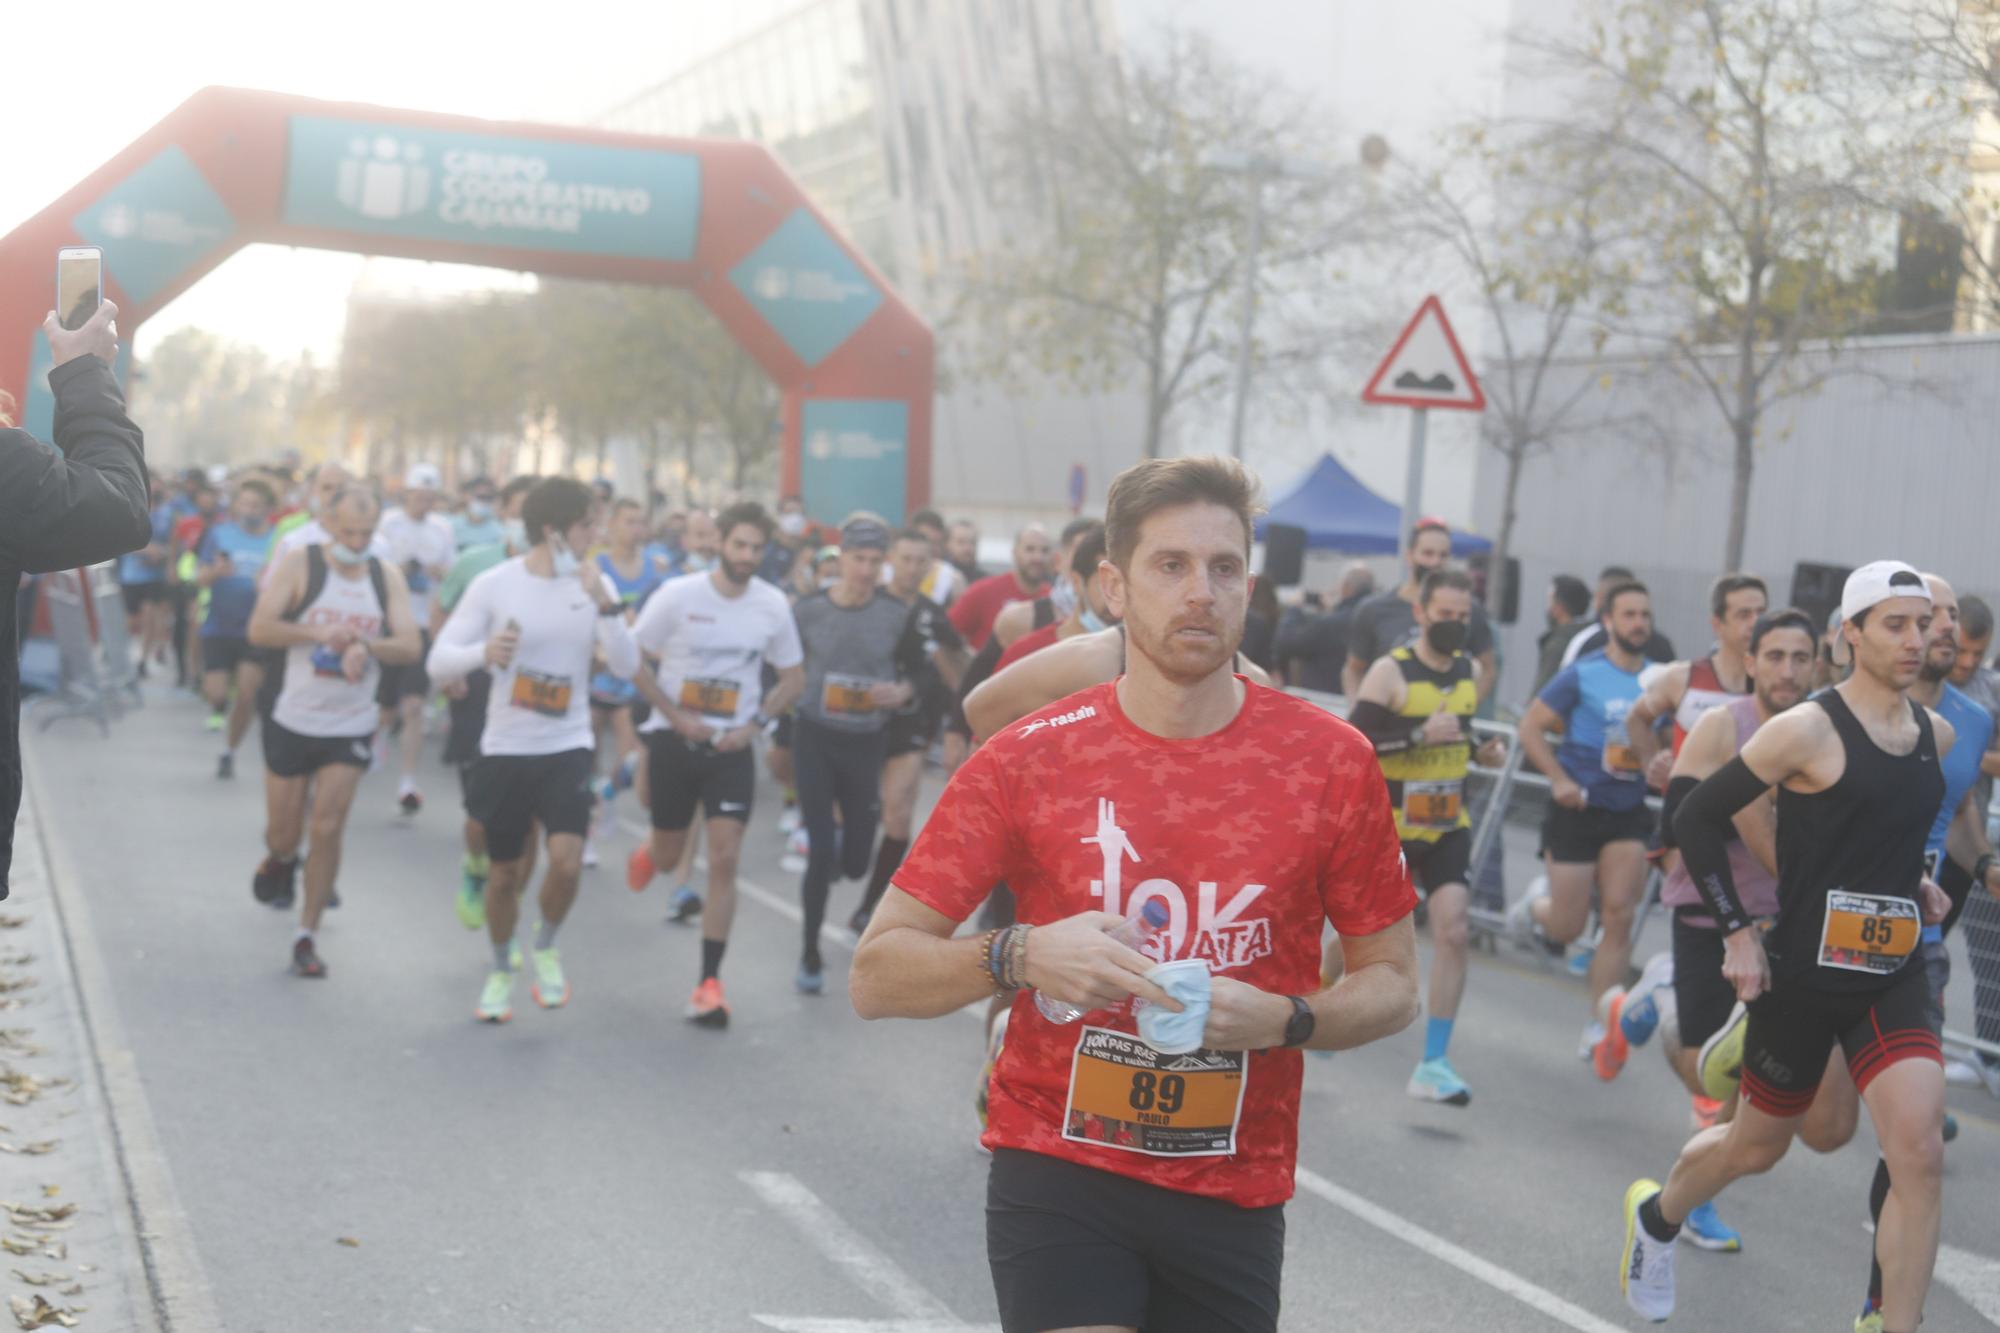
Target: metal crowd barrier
<point>97,678</point>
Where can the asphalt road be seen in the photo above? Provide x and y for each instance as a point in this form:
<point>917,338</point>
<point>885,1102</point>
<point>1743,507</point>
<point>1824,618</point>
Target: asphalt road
<point>608,1166</point>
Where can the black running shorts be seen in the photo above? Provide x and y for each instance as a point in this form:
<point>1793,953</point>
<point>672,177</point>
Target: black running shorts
<point>1793,1030</point>
<point>508,792</point>
<point>468,719</point>
<point>1703,997</point>
<point>406,682</point>
<point>1071,1246</point>
<point>138,594</point>
<point>287,754</point>
<point>1436,864</point>
<point>911,733</point>
<point>679,775</point>
<point>1575,837</point>
<point>222,653</point>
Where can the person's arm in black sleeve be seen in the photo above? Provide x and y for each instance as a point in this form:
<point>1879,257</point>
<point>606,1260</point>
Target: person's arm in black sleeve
<point>1389,733</point>
<point>982,667</point>
<point>1678,788</point>
<point>1704,825</point>
<point>88,502</point>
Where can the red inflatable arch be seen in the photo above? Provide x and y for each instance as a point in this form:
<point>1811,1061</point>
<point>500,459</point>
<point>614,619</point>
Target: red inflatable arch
<point>721,218</point>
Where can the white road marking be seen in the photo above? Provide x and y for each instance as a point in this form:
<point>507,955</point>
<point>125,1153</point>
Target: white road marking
<point>1974,1277</point>
<point>1500,1279</point>
<point>873,1271</point>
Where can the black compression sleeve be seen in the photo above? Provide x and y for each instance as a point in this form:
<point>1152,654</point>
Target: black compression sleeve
<point>1390,733</point>
<point>1703,825</point>
<point>1677,790</point>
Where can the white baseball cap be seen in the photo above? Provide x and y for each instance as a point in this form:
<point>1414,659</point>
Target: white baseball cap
<point>1878,581</point>
<point>423,477</point>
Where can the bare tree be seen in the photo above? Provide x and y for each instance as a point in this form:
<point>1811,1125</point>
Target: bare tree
<point>1765,173</point>
<point>1126,249</point>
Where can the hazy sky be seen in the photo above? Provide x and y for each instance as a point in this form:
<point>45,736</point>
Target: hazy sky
<point>537,61</point>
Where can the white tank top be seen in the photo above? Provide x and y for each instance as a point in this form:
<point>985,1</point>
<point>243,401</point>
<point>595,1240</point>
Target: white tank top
<point>317,699</point>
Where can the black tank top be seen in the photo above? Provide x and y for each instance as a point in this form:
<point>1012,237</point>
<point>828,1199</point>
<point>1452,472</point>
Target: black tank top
<point>1863,835</point>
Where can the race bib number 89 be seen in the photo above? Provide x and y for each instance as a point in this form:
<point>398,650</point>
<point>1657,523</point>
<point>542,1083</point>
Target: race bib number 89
<point>1124,1094</point>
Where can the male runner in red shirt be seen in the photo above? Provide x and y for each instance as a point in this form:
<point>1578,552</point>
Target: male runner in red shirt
<point>1129,1187</point>
<point>973,614</point>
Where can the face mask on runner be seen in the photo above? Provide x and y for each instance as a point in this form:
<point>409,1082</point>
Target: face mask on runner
<point>792,524</point>
<point>1091,622</point>
<point>1063,598</point>
<point>478,511</point>
<point>697,564</point>
<point>1447,636</point>
<point>564,559</point>
<point>516,532</point>
<point>344,554</point>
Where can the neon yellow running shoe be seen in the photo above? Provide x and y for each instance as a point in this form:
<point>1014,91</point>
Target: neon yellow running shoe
<point>496,1002</point>
<point>551,988</point>
<point>1720,1065</point>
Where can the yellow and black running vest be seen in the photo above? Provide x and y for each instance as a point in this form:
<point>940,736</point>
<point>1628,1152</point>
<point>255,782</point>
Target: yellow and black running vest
<point>1427,782</point>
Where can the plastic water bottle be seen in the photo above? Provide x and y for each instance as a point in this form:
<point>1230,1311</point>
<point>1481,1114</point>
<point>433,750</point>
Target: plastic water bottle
<point>1134,932</point>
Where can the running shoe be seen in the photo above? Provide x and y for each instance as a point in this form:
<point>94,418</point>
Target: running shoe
<point>1436,1081</point>
<point>706,1007</point>
<point>272,882</point>
<point>472,902</point>
<point>1961,1074</point>
<point>1586,1047</point>
<point>788,822</point>
<point>225,766</point>
<point>1578,964</point>
<point>1521,914</point>
<point>686,905</point>
<point>1608,1056</point>
<point>1705,1231</point>
<point>797,848</point>
<point>513,955</point>
<point>1640,1016</point>
<point>496,1002</point>
<point>1703,1112</point>
<point>590,856</point>
<point>810,979</point>
<point>410,802</point>
<point>1950,1127</point>
<point>1646,1268</point>
<point>551,988</point>
<point>1869,1321</point>
<point>639,869</point>
<point>306,961</point>
<point>1720,1065</point>
<point>214,723</point>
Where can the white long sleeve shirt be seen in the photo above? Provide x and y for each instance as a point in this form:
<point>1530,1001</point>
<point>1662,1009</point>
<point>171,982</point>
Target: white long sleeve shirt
<point>541,701</point>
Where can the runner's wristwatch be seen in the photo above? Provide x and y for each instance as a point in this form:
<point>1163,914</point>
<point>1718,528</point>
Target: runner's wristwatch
<point>1299,1028</point>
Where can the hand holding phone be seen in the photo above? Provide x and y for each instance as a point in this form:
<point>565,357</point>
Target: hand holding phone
<point>83,321</point>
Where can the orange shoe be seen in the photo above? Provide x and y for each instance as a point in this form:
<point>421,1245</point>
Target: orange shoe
<point>639,869</point>
<point>1609,1055</point>
<point>706,1007</point>
<point>1705,1110</point>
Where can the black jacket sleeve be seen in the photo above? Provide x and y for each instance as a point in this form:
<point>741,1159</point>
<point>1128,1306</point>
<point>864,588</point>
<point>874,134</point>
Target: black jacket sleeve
<point>86,503</point>
<point>1703,824</point>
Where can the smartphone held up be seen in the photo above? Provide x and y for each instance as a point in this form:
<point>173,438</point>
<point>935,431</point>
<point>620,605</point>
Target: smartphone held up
<point>79,284</point>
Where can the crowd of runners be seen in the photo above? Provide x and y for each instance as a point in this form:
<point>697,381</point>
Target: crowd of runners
<point>1131,803</point>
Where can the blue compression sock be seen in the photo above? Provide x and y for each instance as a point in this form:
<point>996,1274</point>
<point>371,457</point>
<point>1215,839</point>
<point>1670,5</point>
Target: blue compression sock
<point>1437,1037</point>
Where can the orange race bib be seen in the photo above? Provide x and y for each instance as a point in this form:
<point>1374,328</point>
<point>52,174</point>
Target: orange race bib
<point>1868,932</point>
<point>541,693</point>
<point>1432,804</point>
<point>1621,761</point>
<point>846,694</point>
<point>711,696</point>
<point>1124,1094</point>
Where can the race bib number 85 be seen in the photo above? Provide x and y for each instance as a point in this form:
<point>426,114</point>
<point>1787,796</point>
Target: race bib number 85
<point>1867,933</point>
<point>1124,1094</point>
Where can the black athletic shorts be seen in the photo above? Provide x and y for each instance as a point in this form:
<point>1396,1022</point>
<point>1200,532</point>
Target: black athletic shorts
<point>222,652</point>
<point>468,719</point>
<point>1575,837</point>
<point>138,594</point>
<point>406,682</point>
<point>911,733</point>
<point>1793,1030</point>
<point>1072,1246</point>
<point>508,792</point>
<point>1703,997</point>
<point>1436,864</point>
<point>287,754</point>
<point>781,732</point>
<point>680,774</point>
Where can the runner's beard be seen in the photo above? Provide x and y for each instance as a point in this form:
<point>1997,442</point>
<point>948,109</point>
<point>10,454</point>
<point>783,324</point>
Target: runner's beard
<point>740,575</point>
<point>1936,669</point>
<point>1184,661</point>
<point>1636,649</point>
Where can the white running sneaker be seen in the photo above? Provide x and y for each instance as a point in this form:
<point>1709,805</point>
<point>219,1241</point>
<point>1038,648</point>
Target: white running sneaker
<point>590,856</point>
<point>1521,915</point>
<point>1591,1036</point>
<point>1646,1268</point>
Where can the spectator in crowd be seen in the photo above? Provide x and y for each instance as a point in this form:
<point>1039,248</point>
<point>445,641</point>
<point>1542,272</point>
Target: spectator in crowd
<point>1312,642</point>
<point>1260,629</point>
<point>794,534</point>
<point>477,522</point>
<point>962,549</point>
<point>1390,620</point>
<point>1569,616</point>
<point>79,503</point>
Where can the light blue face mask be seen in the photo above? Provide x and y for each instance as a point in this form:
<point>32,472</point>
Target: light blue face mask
<point>516,533</point>
<point>1091,621</point>
<point>1063,597</point>
<point>1177,1033</point>
<point>564,560</point>
<point>697,564</point>
<point>345,555</point>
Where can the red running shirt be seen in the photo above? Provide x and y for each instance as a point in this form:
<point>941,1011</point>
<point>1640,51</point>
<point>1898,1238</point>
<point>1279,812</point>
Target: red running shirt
<point>1032,642</point>
<point>1252,837</point>
<point>973,614</point>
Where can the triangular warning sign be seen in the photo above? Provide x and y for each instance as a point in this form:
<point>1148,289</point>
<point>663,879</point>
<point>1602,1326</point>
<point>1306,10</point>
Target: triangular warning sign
<point>1425,367</point>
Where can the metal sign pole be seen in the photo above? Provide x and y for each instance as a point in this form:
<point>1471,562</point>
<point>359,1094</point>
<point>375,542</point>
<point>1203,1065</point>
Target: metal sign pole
<point>1413,481</point>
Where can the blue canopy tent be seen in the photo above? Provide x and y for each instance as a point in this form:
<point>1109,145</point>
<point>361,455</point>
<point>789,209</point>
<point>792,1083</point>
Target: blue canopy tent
<point>1338,513</point>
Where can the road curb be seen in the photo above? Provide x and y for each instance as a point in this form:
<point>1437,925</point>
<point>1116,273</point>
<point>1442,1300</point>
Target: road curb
<point>176,1288</point>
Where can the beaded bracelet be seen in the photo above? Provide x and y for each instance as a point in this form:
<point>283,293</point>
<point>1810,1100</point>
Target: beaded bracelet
<point>1014,958</point>
<point>989,957</point>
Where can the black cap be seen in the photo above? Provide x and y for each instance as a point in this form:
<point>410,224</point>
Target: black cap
<point>864,534</point>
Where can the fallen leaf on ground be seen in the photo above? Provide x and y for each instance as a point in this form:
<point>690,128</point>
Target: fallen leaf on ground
<point>12,922</point>
<point>40,1214</point>
<point>19,1244</point>
<point>41,1279</point>
<point>349,1242</point>
<point>29,1149</point>
<point>36,1312</point>
<point>74,1289</point>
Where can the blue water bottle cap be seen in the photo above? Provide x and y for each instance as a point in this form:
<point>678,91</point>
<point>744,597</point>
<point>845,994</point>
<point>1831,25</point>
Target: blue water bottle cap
<point>1154,913</point>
